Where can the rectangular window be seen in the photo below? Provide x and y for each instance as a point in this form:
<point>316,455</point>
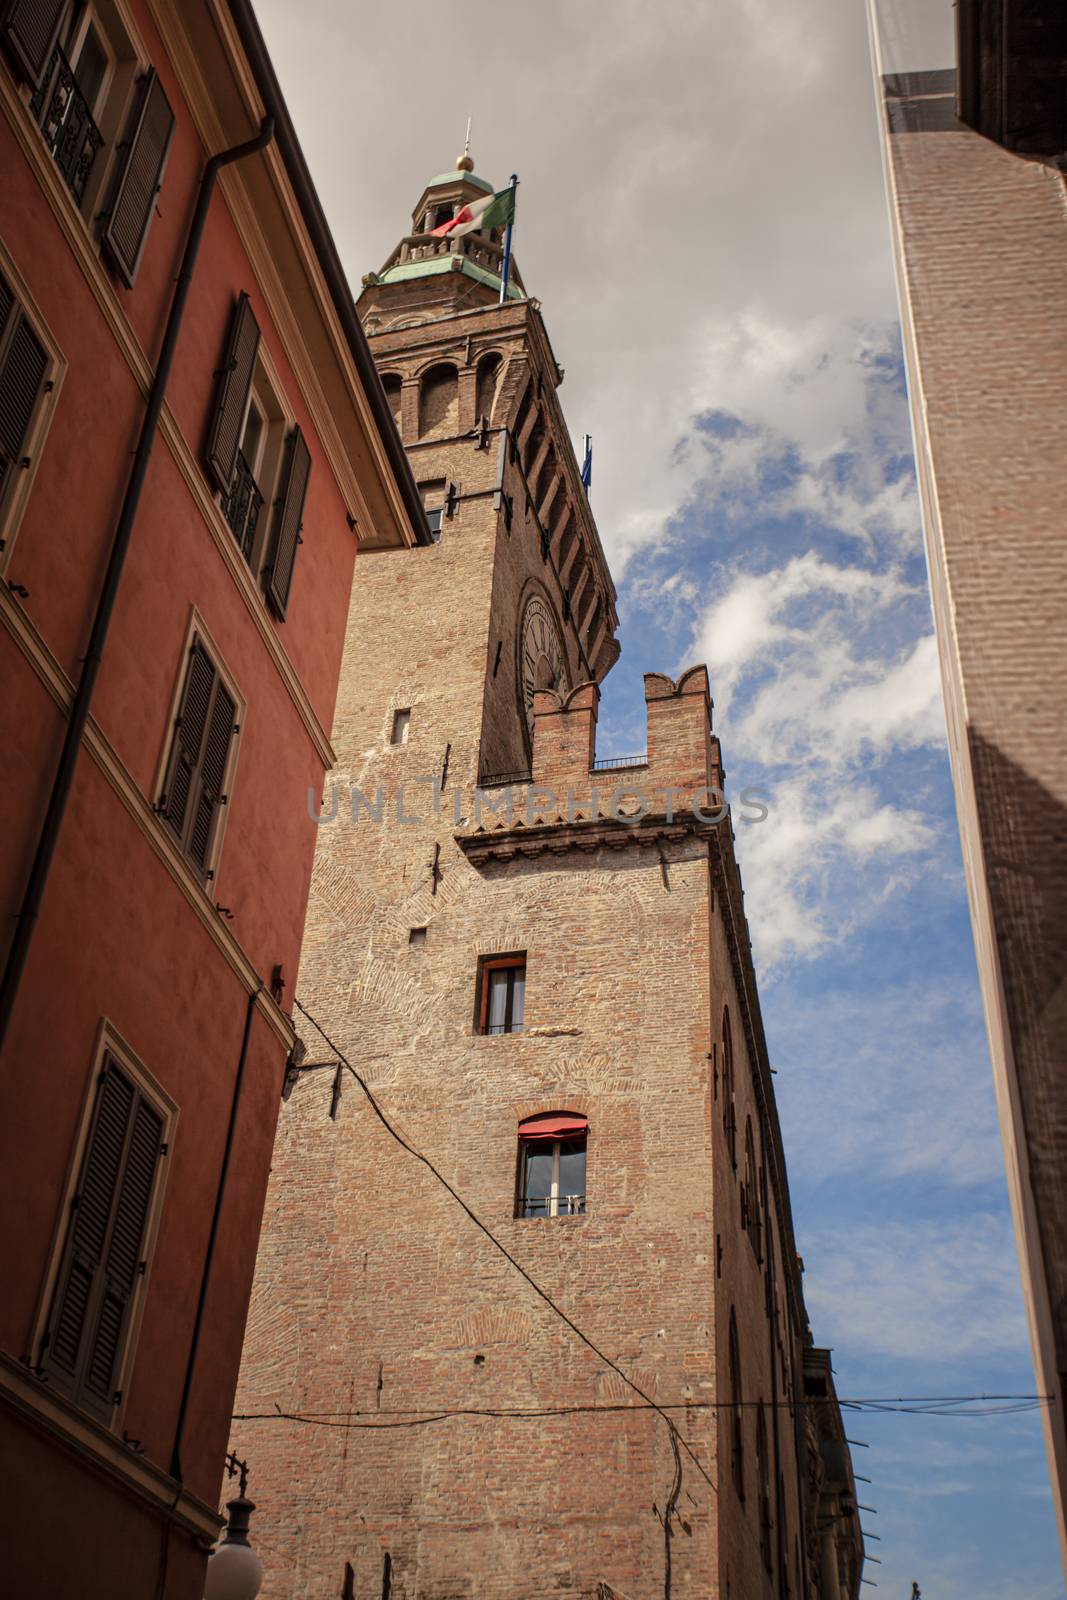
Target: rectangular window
<point>27,368</point>
<point>200,761</point>
<point>401,724</point>
<point>258,460</point>
<point>104,1252</point>
<point>552,1182</point>
<point>502,994</point>
<point>103,114</point>
<point>433,493</point>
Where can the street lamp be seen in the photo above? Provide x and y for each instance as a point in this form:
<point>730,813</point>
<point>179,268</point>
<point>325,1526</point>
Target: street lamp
<point>234,1571</point>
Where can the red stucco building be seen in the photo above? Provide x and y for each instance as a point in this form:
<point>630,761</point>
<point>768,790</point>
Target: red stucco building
<point>156,839</point>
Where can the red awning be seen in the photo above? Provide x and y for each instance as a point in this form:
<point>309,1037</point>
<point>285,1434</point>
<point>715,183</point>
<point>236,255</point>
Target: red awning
<point>554,1125</point>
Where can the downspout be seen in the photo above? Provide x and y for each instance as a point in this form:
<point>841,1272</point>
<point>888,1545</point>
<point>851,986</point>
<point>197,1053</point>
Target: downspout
<point>209,1256</point>
<point>79,711</point>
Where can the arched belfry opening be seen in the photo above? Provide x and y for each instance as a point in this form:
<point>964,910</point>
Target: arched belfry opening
<point>439,402</point>
<point>488,381</point>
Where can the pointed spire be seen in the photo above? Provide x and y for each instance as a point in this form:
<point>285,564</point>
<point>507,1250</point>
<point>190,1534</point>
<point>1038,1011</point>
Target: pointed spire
<point>464,163</point>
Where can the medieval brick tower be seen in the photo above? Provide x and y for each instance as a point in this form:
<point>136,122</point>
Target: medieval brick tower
<point>595,1384</point>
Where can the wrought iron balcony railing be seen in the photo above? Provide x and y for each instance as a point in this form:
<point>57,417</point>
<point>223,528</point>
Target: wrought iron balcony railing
<point>241,507</point>
<point>565,1205</point>
<point>618,763</point>
<point>66,122</point>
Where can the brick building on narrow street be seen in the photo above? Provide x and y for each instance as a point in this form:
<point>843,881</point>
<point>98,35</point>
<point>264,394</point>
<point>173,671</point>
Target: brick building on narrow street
<point>153,904</point>
<point>975,164</point>
<point>554,1004</point>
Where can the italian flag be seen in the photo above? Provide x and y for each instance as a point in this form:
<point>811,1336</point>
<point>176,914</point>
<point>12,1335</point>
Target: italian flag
<point>492,211</point>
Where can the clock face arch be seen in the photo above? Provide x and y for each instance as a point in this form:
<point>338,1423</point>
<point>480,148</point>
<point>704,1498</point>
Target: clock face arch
<point>542,659</point>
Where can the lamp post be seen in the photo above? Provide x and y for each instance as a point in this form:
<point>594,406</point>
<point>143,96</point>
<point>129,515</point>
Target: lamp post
<point>234,1571</point>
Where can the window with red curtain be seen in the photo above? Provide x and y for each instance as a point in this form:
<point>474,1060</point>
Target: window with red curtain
<point>552,1149</point>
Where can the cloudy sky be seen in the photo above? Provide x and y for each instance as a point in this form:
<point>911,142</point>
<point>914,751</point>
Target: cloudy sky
<point>702,216</point>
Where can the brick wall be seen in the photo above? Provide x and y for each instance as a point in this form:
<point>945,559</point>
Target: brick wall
<point>376,1296</point>
<point>981,240</point>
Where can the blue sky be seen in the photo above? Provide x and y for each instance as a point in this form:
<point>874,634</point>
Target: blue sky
<point>818,641</point>
<point>702,215</point>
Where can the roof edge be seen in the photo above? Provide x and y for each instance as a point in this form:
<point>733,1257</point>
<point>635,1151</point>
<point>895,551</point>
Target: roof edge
<point>314,218</point>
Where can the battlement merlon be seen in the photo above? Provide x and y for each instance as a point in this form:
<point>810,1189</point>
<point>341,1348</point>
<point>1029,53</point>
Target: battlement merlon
<point>683,753</point>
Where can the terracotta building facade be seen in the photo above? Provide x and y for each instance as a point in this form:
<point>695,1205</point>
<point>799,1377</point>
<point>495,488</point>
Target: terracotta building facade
<point>528,1313</point>
<point>978,207</point>
<point>149,962</point>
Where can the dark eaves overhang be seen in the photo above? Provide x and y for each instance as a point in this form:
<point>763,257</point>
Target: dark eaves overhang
<point>1010,84</point>
<point>560,834</point>
<point>255,49</point>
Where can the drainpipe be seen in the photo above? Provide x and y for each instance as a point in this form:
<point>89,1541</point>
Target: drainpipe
<point>79,711</point>
<point>209,1256</point>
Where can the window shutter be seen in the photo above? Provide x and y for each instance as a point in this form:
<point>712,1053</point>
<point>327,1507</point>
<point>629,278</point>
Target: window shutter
<point>188,738</point>
<point>90,1312</point>
<point>30,29</point>
<point>235,380</point>
<point>289,519</point>
<point>212,775</point>
<point>139,180</point>
<point>123,1252</point>
<point>23,367</point>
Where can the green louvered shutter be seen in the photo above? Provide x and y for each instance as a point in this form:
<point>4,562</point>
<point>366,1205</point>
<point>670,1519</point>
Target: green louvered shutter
<point>105,1243</point>
<point>231,400</point>
<point>288,520</point>
<point>137,184</point>
<point>30,29</point>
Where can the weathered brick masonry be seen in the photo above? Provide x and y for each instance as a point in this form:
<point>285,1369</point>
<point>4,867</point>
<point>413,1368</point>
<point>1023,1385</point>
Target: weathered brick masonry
<point>981,239</point>
<point>378,1301</point>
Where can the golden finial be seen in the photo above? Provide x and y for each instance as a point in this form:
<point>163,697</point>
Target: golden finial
<point>464,162</point>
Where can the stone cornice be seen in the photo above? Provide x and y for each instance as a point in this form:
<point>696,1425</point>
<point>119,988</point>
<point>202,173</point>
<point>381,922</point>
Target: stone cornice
<point>558,835</point>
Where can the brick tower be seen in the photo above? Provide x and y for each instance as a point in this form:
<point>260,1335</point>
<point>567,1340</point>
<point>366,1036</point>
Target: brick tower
<point>549,991</point>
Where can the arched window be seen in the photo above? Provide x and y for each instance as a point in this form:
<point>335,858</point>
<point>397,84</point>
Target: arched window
<point>763,1482</point>
<point>552,1164</point>
<point>729,1110</point>
<point>737,1421</point>
<point>488,376</point>
<point>751,1215</point>
<point>439,402</point>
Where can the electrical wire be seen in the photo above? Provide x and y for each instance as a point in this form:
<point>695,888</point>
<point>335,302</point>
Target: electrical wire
<point>420,1417</point>
<point>519,1268</point>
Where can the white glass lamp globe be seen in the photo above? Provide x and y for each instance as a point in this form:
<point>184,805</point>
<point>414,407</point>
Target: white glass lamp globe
<point>234,1572</point>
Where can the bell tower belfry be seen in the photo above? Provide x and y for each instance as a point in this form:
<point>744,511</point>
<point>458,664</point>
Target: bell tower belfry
<point>472,384</point>
<point>496,1372</point>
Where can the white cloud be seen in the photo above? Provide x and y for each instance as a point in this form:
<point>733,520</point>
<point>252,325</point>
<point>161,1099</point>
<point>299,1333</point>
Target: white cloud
<point>701,208</point>
<point>931,1290</point>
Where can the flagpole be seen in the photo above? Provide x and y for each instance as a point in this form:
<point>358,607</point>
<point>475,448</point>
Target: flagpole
<point>506,272</point>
